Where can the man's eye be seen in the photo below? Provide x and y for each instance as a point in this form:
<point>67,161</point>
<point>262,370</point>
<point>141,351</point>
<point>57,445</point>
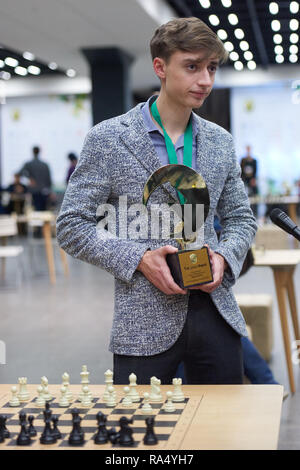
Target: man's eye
<point>192,67</point>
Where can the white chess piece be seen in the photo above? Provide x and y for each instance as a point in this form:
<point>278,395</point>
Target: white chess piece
<point>178,395</point>
<point>135,397</point>
<point>14,401</point>
<point>127,401</point>
<point>86,401</point>
<point>146,408</point>
<point>111,400</point>
<point>40,401</point>
<point>23,394</point>
<point>155,394</point>
<point>169,406</point>
<point>66,383</point>
<point>84,382</point>
<point>63,401</point>
<point>108,381</point>
<point>44,382</point>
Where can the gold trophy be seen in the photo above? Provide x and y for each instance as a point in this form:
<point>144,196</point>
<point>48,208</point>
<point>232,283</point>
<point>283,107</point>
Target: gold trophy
<point>190,266</point>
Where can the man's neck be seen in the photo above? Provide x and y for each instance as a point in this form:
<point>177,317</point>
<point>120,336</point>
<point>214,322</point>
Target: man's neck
<point>173,116</point>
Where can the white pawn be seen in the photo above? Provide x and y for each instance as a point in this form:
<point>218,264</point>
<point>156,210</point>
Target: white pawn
<point>23,392</point>
<point>111,400</point>
<point>63,401</point>
<point>146,408</point>
<point>135,397</point>
<point>86,401</point>
<point>14,401</point>
<point>66,383</point>
<point>169,406</point>
<point>178,395</point>
<point>46,394</point>
<point>40,401</point>
<point>127,401</point>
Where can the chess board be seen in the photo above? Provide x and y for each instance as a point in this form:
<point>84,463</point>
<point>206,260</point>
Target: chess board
<point>169,426</point>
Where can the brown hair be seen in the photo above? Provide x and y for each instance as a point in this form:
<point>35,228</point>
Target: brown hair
<point>186,34</point>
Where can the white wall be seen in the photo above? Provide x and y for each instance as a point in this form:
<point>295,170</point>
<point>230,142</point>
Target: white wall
<point>56,125</point>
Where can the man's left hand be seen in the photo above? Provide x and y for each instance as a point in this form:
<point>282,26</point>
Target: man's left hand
<point>219,265</point>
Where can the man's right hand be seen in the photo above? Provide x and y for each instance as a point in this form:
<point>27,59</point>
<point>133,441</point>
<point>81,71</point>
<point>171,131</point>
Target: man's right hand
<point>155,268</point>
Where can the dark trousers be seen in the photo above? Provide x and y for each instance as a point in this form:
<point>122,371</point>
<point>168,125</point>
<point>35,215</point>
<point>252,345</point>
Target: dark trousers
<point>208,347</point>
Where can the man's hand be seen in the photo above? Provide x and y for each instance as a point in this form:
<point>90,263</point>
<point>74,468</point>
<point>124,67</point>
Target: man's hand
<point>155,268</point>
<point>218,265</point>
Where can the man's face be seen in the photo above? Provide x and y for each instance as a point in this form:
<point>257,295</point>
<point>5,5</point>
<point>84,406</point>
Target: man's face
<point>187,77</point>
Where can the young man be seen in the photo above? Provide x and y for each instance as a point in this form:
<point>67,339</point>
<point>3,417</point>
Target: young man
<point>157,324</point>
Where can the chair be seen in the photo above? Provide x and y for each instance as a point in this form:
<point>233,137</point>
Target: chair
<point>9,228</point>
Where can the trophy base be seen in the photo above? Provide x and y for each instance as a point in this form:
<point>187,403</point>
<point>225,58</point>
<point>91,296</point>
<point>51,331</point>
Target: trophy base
<point>190,268</point>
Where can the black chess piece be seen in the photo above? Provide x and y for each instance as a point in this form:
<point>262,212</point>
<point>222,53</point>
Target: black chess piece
<point>101,437</point>
<point>113,435</point>
<point>2,426</point>
<point>23,438</point>
<point>31,429</point>
<point>47,436</point>
<point>150,438</point>
<point>126,438</point>
<point>5,430</point>
<point>76,437</point>
<point>56,432</point>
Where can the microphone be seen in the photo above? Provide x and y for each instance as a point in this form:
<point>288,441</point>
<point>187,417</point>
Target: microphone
<point>283,221</point>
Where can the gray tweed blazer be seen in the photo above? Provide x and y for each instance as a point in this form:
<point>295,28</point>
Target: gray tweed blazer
<point>116,160</point>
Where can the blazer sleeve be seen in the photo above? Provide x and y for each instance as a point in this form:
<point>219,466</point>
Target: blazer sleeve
<point>237,221</point>
<point>76,225</point>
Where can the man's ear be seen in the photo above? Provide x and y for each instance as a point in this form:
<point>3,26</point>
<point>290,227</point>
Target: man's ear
<point>159,66</point>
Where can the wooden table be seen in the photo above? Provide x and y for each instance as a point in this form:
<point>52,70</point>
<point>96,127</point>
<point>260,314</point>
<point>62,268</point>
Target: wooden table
<point>283,264</point>
<point>215,417</point>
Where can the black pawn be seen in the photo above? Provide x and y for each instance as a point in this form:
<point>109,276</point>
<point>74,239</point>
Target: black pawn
<point>31,429</point>
<point>150,438</point>
<point>101,437</point>
<point>55,431</point>
<point>76,437</point>
<point>23,438</point>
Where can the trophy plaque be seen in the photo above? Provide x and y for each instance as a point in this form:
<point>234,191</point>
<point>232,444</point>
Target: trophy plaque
<point>190,266</point>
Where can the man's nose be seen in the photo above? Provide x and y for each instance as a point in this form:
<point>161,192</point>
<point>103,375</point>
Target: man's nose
<point>204,78</point>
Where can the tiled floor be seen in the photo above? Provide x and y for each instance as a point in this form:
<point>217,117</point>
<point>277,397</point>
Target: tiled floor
<point>48,329</point>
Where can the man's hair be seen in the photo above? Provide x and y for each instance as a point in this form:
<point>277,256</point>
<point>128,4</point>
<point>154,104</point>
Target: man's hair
<point>188,35</point>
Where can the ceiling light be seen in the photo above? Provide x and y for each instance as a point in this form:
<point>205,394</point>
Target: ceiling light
<point>294,38</point>
<point>273,7</point>
<point>251,65</point>
<point>233,19</point>
<point>28,55</point>
<point>214,20</point>
<point>226,3</point>
<point>238,65</point>
<point>71,73</point>
<point>294,7</point>
<point>1,63</point>
<point>21,71</point>
<point>279,58</point>
<point>244,45</point>
<point>275,25</point>
<point>277,38</point>
<point>204,3</point>
<point>293,58</point>
<point>222,34</point>
<point>239,33</point>
<point>53,65</point>
<point>229,46</point>
<point>5,75</point>
<point>34,70</point>
<point>278,49</point>
<point>11,61</point>
<point>294,24</point>
<point>294,49</point>
<point>248,55</point>
<point>234,56</point>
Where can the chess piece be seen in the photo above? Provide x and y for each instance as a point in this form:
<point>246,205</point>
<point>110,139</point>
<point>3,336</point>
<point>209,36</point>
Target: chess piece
<point>111,400</point>
<point>135,397</point>
<point>5,430</point>
<point>146,408</point>
<point>101,437</point>
<point>84,382</point>
<point>23,438</point>
<point>169,406</point>
<point>66,383</point>
<point>150,437</point>
<point>14,401</point>
<point>47,436</point>
<point>63,401</point>
<point>125,434</point>
<point>127,401</point>
<point>40,401</point>
<point>2,434</point>
<point>86,401</point>
<point>46,394</point>
<point>31,429</point>
<point>155,394</point>
<point>55,431</point>
<point>108,382</point>
<point>23,394</point>
<point>178,395</point>
<point>76,437</point>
